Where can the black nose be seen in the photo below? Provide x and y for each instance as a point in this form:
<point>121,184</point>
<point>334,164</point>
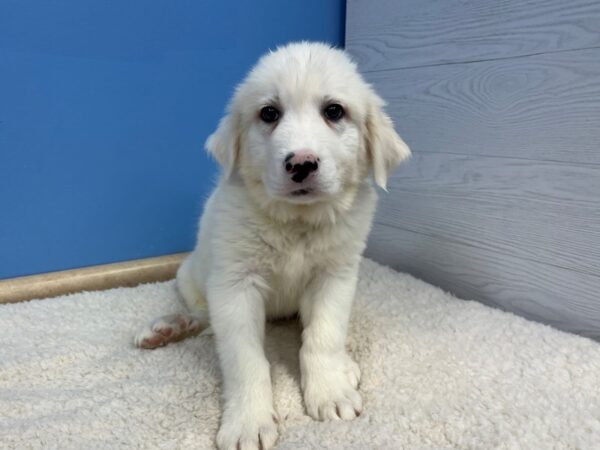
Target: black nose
<point>301,171</point>
<point>300,166</point>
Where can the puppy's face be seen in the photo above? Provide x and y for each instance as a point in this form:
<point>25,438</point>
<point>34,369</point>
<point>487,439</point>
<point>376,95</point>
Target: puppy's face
<point>304,127</point>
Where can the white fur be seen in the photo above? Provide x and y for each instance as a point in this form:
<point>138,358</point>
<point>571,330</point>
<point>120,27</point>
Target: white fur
<point>263,253</point>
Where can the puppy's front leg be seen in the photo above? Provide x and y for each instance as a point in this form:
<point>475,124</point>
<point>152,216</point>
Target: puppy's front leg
<point>237,316</point>
<point>329,376</point>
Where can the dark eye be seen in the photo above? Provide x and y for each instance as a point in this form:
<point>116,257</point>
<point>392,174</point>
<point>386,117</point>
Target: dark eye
<point>269,114</point>
<point>333,112</point>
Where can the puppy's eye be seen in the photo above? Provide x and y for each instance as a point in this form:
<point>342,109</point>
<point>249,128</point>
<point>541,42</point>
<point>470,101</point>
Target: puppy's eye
<point>269,114</point>
<point>333,112</point>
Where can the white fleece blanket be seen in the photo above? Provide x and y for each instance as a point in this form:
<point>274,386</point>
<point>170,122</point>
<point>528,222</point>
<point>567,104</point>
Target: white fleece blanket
<point>437,373</point>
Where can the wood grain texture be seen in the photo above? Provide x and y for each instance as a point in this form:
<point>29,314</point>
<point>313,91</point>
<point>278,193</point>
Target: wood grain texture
<point>564,299</point>
<point>104,276</point>
<point>500,103</point>
<point>539,211</point>
<point>392,34</point>
<point>544,107</point>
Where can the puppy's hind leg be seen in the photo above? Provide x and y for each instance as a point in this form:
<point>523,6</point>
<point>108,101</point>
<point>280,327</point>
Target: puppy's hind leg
<point>188,278</point>
<point>171,328</point>
<point>176,327</point>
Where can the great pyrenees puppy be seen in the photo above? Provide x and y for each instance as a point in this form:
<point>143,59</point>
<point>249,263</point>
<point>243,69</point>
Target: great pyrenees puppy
<point>283,233</point>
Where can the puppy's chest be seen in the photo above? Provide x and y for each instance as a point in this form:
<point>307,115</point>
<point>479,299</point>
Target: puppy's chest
<point>294,256</point>
<point>299,254</point>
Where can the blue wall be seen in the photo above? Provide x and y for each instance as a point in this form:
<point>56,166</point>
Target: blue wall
<point>104,107</point>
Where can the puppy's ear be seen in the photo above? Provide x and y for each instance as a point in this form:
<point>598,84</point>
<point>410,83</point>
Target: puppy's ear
<point>224,143</point>
<point>385,148</point>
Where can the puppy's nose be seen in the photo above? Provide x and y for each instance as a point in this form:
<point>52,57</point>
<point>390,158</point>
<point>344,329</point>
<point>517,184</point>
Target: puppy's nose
<point>301,164</point>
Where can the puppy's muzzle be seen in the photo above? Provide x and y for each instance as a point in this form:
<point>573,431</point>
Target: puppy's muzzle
<point>301,164</point>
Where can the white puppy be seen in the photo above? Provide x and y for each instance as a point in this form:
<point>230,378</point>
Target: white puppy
<point>284,231</point>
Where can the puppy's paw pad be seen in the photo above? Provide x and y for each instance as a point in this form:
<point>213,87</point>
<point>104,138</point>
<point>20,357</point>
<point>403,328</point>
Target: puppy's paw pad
<point>147,338</point>
<point>166,329</point>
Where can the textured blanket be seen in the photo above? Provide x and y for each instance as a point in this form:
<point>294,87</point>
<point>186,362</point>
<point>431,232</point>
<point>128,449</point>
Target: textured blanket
<point>437,373</point>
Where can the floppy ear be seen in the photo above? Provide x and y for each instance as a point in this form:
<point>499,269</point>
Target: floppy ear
<point>223,144</point>
<point>385,148</point>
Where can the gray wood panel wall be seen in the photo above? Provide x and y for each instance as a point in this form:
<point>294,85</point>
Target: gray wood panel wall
<point>500,102</point>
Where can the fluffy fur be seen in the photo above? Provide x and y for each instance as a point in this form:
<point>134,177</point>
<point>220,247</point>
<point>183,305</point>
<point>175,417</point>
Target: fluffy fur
<point>265,252</point>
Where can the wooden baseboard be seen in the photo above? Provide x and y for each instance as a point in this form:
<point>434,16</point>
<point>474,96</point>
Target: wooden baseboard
<point>106,276</point>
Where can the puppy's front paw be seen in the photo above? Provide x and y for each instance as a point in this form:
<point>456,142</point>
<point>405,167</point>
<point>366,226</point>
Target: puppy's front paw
<point>249,429</point>
<point>330,387</point>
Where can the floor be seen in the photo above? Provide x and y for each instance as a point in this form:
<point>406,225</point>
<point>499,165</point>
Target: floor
<point>438,373</point>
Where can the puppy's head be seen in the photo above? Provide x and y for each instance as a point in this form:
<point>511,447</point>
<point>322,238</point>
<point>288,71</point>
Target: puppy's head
<point>305,128</point>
